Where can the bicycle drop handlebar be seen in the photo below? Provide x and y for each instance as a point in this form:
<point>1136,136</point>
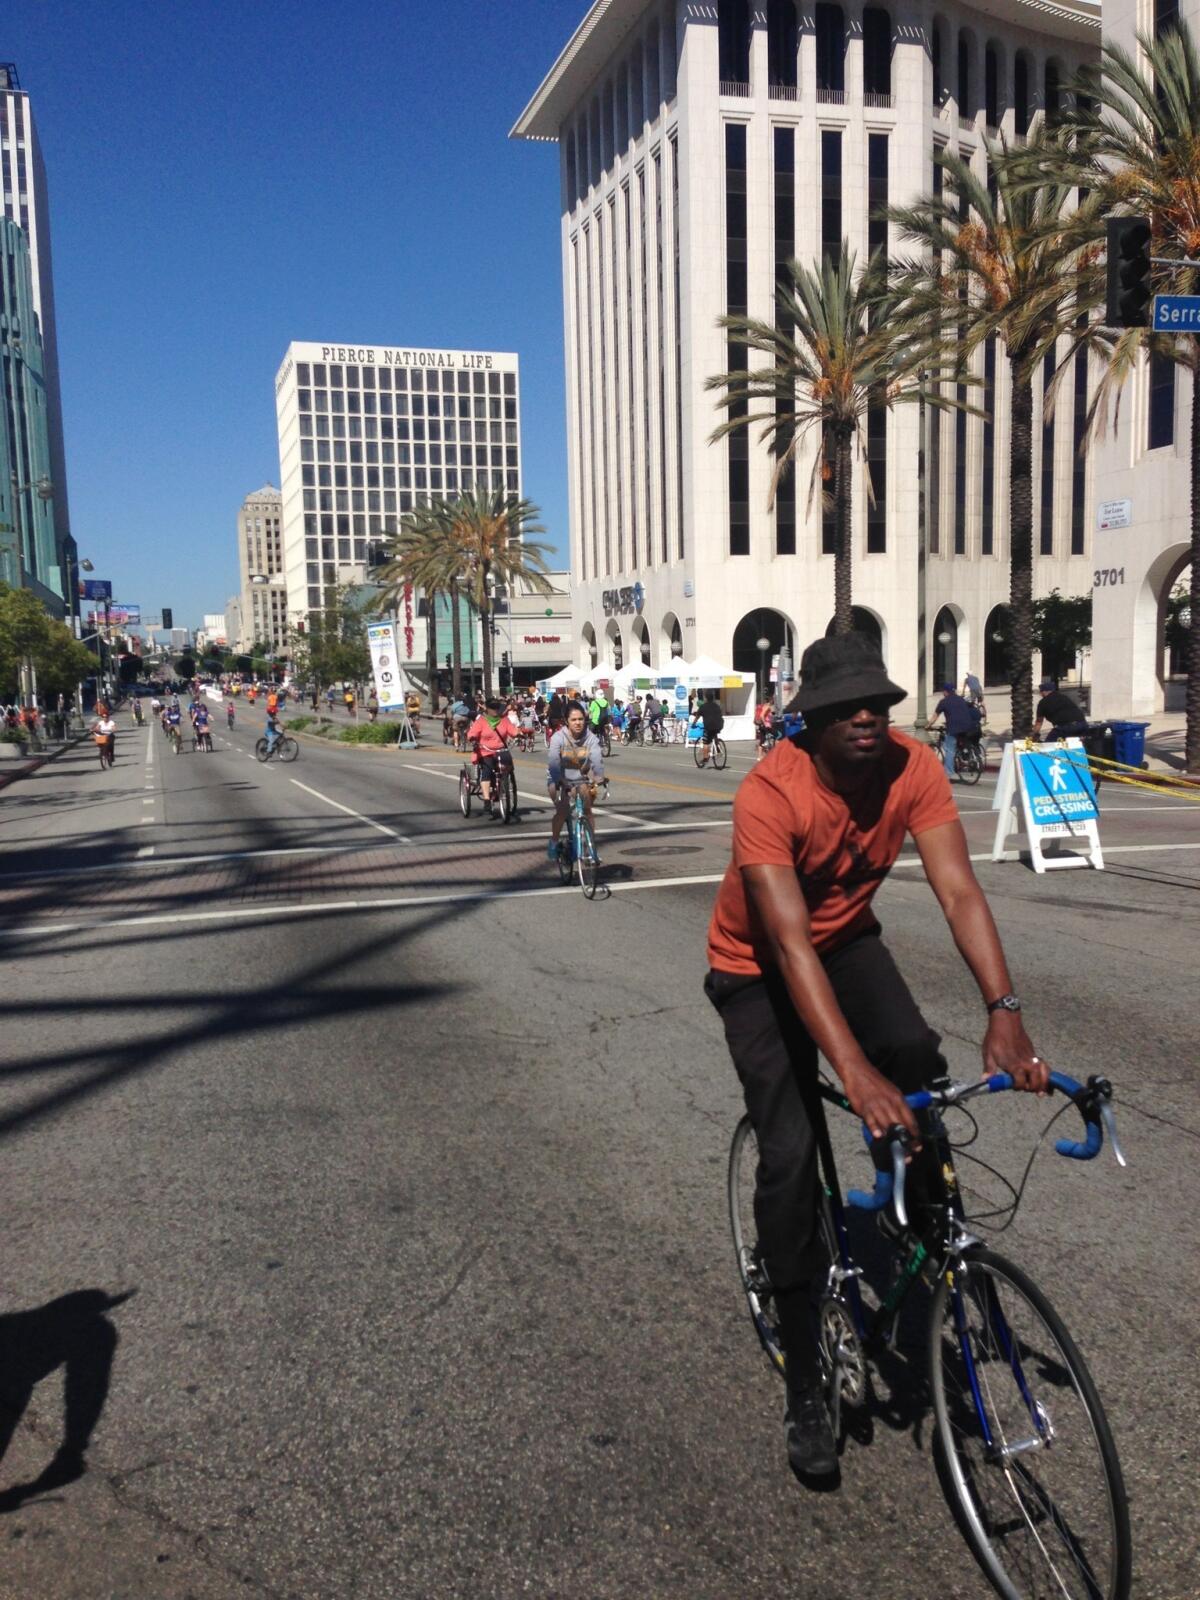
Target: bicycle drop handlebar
<point>1093,1099</point>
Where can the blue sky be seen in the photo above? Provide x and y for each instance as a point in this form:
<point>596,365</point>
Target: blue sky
<point>227,177</point>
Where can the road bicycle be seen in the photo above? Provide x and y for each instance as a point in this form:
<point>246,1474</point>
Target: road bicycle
<point>715,753</point>
<point>524,740</point>
<point>969,759</point>
<point>635,733</point>
<point>202,740</point>
<point>577,854</point>
<point>283,748</point>
<point>176,738</point>
<point>504,787</point>
<point>604,734</point>
<point>106,745</point>
<point>1025,1451</point>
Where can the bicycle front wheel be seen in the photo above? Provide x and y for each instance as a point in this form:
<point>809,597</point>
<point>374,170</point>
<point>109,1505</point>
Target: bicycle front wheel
<point>1030,1458</point>
<point>464,792</point>
<point>699,754</point>
<point>587,860</point>
<point>289,749</point>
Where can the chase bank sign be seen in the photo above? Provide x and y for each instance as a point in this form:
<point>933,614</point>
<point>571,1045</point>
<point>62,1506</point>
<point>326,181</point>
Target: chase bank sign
<point>620,602</point>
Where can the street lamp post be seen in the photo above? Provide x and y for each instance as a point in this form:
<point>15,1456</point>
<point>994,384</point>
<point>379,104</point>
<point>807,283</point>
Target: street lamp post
<point>764,644</point>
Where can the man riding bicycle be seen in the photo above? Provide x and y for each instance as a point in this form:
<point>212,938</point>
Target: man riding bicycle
<point>711,718</point>
<point>797,966</point>
<point>960,719</point>
<point>574,757</point>
<point>200,725</point>
<point>273,730</point>
<point>488,735</point>
<point>599,712</point>
<point>174,720</point>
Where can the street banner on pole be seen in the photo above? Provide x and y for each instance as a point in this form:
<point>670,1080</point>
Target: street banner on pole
<point>1052,785</point>
<point>389,677</point>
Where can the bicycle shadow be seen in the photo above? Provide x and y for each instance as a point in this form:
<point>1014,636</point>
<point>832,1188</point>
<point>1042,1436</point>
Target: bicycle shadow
<point>74,1333</point>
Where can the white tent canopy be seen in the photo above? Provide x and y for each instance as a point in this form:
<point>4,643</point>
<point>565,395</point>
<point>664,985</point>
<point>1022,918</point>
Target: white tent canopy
<point>567,678</point>
<point>602,672</point>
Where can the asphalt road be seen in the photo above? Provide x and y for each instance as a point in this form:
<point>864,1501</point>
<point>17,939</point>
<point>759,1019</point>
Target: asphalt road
<point>369,1189</point>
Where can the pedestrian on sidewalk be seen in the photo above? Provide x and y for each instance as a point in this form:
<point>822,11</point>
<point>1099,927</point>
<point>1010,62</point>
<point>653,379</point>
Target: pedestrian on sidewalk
<point>372,705</point>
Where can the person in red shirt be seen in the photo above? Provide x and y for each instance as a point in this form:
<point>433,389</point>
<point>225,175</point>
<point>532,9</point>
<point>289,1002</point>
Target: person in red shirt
<point>487,736</point>
<point>797,966</point>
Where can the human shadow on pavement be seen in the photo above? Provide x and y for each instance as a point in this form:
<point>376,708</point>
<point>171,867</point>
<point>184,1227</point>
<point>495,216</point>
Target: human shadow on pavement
<point>75,1333</point>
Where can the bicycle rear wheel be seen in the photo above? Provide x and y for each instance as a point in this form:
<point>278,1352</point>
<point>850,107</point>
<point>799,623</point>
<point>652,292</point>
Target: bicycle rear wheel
<point>289,749</point>
<point>968,764</point>
<point>606,740</point>
<point>262,750</point>
<point>720,755</point>
<point>1031,1462</point>
<point>464,792</point>
<point>506,796</point>
<point>587,860</point>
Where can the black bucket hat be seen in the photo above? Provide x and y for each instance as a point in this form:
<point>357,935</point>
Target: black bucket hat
<point>843,668</point>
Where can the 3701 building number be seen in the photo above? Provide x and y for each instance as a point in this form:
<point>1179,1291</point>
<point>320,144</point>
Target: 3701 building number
<point>1105,577</point>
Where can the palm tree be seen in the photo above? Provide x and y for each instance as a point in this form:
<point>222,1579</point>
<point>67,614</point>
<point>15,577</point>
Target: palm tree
<point>1003,259</point>
<point>423,553</point>
<point>491,533</point>
<point>830,359</point>
<point>1137,144</point>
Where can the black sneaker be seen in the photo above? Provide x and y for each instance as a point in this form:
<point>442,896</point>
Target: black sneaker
<point>810,1442</point>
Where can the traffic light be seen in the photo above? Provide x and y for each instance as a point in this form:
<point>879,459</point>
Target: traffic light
<point>447,663</point>
<point>1128,299</point>
<point>504,659</point>
<point>168,617</point>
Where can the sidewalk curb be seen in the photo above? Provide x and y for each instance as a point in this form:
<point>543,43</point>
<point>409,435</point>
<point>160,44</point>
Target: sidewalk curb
<point>33,766</point>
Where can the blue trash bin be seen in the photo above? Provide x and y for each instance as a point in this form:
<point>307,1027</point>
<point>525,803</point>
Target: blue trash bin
<point>1129,742</point>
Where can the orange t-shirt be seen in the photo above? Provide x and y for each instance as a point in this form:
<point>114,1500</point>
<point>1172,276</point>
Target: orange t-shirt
<point>841,848</point>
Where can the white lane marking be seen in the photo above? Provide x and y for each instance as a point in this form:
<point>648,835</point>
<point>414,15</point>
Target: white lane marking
<point>149,801</point>
<point>400,903</point>
<point>146,850</point>
<point>337,907</point>
<point>379,827</point>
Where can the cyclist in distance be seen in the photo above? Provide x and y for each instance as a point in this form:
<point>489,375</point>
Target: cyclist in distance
<point>200,723</point>
<point>273,729</point>
<point>960,719</point>
<point>574,757</point>
<point>797,965</point>
<point>174,719</point>
<point>599,711</point>
<point>711,718</point>
<point>488,735</point>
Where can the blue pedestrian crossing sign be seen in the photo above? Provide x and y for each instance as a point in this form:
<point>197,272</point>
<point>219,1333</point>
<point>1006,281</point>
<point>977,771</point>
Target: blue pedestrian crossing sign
<point>1059,786</point>
<point>1050,789</point>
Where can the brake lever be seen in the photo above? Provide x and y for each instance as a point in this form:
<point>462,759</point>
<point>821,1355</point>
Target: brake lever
<point>899,1162</point>
<point>1110,1127</point>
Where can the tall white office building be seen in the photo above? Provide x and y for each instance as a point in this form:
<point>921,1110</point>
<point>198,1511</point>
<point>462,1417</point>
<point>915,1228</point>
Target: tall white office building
<point>369,432</point>
<point>262,612</point>
<point>26,202</point>
<point>703,143</point>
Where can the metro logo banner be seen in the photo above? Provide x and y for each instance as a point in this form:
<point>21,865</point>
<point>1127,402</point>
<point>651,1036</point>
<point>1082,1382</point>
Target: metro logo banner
<point>389,678</point>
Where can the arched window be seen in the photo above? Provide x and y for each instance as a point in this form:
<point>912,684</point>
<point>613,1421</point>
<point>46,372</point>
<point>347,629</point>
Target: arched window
<point>935,57</point>
<point>993,108</point>
<point>782,43</point>
<point>966,103</point>
<point>1021,94</point>
<point>877,54</point>
<point>733,40</point>
<point>1052,98</point>
<point>831,52</point>
<point>945,648</point>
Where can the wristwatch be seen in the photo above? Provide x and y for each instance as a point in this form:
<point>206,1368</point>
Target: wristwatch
<point>1006,1002</point>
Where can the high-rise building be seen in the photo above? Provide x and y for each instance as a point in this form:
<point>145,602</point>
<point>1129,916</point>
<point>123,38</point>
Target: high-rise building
<point>702,147</point>
<point>367,433</point>
<point>233,624</point>
<point>260,559</point>
<point>26,201</point>
<point>29,550</point>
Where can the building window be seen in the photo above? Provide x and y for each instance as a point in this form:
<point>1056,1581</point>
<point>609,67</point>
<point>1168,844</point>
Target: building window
<point>877,193</point>
<point>935,61</point>
<point>782,44</point>
<point>679,529</point>
<point>1021,95</point>
<point>831,191</point>
<point>831,53</point>
<point>785,249</point>
<point>662,352</point>
<point>987,523</point>
<point>966,106</point>
<point>991,86</point>
<point>733,40</point>
<point>589,390</point>
<point>1161,418</point>
<point>877,56</point>
<point>602,309</point>
<point>1046,538</point>
<point>1053,95</point>
<point>935,421</point>
<point>1078,465</point>
<point>738,443</point>
<point>630,369</point>
<point>877,199</point>
<point>645,279</point>
<point>618,413</point>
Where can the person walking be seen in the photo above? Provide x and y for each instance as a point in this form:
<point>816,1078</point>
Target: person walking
<point>372,705</point>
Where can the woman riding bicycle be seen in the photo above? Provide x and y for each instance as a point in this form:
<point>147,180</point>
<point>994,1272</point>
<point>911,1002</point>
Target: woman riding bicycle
<point>488,736</point>
<point>574,757</point>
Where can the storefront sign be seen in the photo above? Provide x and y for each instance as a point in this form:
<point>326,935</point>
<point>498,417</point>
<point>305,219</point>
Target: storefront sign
<point>408,622</point>
<point>1114,514</point>
<point>620,602</point>
<point>541,638</point>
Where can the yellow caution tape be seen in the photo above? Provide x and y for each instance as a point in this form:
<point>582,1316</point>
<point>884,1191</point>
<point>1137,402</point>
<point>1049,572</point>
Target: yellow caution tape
<point>1120,772</point>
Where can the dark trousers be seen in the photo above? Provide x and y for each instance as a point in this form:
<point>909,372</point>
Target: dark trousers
<point>776,1061</point>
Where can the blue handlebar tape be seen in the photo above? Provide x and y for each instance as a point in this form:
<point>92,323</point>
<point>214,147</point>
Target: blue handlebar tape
<point>1085,1151</point>
<point>862,1201</point>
